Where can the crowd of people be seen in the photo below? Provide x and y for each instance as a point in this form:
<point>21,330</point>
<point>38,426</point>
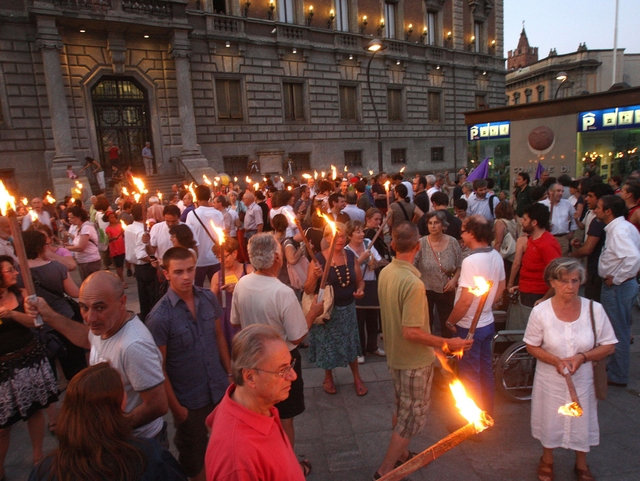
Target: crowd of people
<point>229,279</point>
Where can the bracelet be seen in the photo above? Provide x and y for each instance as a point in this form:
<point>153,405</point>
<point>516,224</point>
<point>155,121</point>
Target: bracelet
<point>584,355</point>
<point>448,324</point>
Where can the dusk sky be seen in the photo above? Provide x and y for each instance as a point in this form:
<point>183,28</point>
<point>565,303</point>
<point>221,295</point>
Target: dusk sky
<point>564,24</point>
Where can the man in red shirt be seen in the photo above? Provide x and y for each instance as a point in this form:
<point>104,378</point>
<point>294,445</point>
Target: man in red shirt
<point>247,440</point>
<point>542,248</point>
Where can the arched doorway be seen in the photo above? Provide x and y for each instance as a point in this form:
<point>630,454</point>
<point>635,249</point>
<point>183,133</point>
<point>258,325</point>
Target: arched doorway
<point>121,111</point>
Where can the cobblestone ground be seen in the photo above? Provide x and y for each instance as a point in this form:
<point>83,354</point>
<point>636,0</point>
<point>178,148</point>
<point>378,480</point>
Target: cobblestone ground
<point>345,436</point>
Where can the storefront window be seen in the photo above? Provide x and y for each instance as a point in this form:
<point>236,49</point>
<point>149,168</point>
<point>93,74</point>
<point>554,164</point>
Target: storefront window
<point>608,142</point>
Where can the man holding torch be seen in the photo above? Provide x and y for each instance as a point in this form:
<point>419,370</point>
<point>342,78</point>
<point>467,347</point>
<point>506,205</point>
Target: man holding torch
<point>472,317</point>
<point>408,342</point>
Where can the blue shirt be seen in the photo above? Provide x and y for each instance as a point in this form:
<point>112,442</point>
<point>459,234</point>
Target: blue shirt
<point>192,360</point>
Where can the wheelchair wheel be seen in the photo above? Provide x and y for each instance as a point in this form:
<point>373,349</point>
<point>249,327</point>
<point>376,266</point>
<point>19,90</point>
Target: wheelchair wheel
<point>515,371</point>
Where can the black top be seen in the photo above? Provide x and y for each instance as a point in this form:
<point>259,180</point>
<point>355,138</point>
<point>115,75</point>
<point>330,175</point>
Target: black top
<point>13,335</point>
<point>421,199</point>
<point>342,296</point>
<point>266,220</point>
<point>49,279</point>
<point>379,189</point>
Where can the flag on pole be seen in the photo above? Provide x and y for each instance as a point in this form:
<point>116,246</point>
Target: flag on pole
<point>480,172</point>
<point>539,171</point>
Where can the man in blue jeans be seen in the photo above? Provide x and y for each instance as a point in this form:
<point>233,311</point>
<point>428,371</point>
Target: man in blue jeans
<point>618,267</point>
<point>476,371</point>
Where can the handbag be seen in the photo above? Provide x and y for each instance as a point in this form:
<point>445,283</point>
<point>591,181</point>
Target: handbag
<point>298,272</point>
<point>327,301</point>
<point>517,313</point>
<point>599,367</point>
<point>508,246</point>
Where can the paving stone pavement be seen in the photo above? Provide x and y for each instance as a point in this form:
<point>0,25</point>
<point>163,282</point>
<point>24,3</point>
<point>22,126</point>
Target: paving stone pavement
<point>345,436</point>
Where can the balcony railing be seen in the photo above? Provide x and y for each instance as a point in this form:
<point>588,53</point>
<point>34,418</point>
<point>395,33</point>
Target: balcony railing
<point>102,6</point>
<point>160,8</point>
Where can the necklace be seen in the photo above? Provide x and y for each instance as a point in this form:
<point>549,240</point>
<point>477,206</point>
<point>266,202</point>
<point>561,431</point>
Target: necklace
<point>348,274</point>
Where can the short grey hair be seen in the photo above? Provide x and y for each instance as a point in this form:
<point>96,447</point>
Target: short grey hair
<point>438,214</point>
<point>405,237</point>
<point>564,265</point>
<point>248,346</point>
<point>431,179</point>
<point>262,250</point>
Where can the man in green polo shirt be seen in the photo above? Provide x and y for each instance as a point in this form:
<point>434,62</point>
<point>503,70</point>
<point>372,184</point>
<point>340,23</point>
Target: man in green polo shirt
<point>408,342</point>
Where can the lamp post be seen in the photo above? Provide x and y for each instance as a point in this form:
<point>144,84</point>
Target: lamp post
<point>562,76</point>
<point>374,47</point>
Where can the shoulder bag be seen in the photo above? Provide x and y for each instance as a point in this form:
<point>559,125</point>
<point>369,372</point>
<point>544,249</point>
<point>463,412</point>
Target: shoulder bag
<point>508,246</point>
<point>599,367</point>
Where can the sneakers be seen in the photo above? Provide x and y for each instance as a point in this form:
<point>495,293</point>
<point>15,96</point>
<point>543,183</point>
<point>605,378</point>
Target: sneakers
<point>379,352</point>
<point>360,359</point>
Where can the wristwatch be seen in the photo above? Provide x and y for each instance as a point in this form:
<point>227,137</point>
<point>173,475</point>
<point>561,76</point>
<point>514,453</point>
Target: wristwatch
<point>449,325</point>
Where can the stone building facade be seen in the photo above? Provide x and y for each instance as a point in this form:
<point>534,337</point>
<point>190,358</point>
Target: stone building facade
<point>217,84</point>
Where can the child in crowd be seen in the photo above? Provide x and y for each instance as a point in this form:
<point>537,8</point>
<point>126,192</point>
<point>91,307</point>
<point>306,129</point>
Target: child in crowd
<point>70,173</point>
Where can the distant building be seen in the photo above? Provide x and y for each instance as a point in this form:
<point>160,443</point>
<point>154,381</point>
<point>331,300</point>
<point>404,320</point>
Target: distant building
<point>523,56</point>
<point>221,83</point>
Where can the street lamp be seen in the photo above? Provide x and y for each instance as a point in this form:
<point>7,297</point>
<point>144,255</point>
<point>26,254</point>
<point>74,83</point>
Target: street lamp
<point>562,77</point>
<point>374,46</point>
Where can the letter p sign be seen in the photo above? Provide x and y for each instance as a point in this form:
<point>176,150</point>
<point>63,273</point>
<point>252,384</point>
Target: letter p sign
<point>588,120</point>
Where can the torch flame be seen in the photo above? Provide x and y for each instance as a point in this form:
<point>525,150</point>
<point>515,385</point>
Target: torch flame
<point>346,169</point>
<point>447,350</point>
<point>193,192</point>
<point>79,192</point>
<point>139,185</point>
<point>468,409</point>
<point>290,217</point>
<point>7,201</point>
<point>247,179</point>
<point>571,409</point>
<point>24,201</point>
<point>50,199</point>
<point>322,174</point>
<point>136,197</point>
<point>125,191</point>
<point>218,231</point>
<point>329,221</point>
<point>206,179</point>
<point>335,172</point>
<point>288,187</point>
<point>78,185</point>
<point>34,215</point>
<point>371,173</point>
<point>402,170</point>
<point>386,185</point>
<point>315,174</point>
<point>235,179</point>
<point>256,186</point>
<point>482,286</point>
<point>306,176</point>
<point>123,224</point>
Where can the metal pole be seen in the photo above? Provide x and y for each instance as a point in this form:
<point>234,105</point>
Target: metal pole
<point>375,111</point>
<point>615,46</point>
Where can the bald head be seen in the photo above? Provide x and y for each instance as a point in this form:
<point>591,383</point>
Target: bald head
<point>103,303</point>
<point>103,281</point>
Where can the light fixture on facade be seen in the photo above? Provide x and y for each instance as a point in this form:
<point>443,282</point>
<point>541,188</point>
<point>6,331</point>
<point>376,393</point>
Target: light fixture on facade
<point>562,77</point>
<point>295,50</point>
<point>472,43</point>
<point>363,25</point>
<point>227,44</point>
<point>272,7</point>
<point>332,17</point>
<point>398,62</point>
<point>145,35</point>
<point>351,57</point>
<point>247,4</point>
<point>409,31</point>
<point>449,38</point>
<point>381,27</point>
<point>83,30</point>
<point>310,15</point>
<point>424,34</point>
<point>437,67</point>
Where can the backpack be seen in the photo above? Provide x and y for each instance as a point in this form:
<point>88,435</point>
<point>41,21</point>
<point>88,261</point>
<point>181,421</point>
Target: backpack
<point>103,238</point>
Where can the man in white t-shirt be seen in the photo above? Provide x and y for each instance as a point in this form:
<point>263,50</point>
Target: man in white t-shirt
<point>117,336</point>
<point>158,240</point>
<point>260,298</point>
<point>475,366</point>
<point>42,215</point>
<point>200,222</point>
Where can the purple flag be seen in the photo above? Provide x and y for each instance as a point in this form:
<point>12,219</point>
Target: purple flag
<point>539,171</point>
<point>480,172</point>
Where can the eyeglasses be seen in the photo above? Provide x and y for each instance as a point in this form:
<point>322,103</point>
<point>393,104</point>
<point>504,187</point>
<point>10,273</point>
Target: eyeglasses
<point>10,270</point>
<point>282,373</point>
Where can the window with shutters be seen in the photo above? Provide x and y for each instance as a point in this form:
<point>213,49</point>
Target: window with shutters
<point>390,18</point>
<point>286,9</point>
<point>229,99</point>
<point>398,156</point>
<point>293,95</point>
<point>437,154</point>
<point>236,165</point>
<point>353,158</point>
<point>348,103</point>
<point>435,106</point>
<point>394,104</point>
<point>433,30</point>
<point>342,15</point>
<point>300,161</point>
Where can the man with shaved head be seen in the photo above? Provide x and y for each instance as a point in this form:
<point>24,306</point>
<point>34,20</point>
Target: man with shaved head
<point>117,336</point>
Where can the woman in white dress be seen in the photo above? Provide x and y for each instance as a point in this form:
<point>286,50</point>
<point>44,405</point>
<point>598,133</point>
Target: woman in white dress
<point>560,335</point>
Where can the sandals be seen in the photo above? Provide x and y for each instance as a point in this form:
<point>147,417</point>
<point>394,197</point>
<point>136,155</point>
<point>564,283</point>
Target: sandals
<point>329,386</point>
<point>545,471</point>
<point>361,389</point>
<point>584,474</point>
<point>305,465</point>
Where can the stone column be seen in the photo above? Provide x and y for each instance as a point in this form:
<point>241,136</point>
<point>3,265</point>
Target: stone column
<point>49,43</point>
<point>181,51</point>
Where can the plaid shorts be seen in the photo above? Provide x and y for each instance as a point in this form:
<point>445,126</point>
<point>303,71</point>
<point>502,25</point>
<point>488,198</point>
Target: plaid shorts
<point>413,395</point>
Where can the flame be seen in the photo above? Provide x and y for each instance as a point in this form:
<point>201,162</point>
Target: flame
<point>136,197</point>
<point>24,201</point>
<point>290,217</point>
<point>315,174</point>
<point>288,187</point>
<point>256,186</point>
<point>371,172</point>
<point>123,224</point>
<point>468,409</point>
<point>34,215</point>
<point>444,363</point>
<point>216,178</point>
<point>7,201</point>
<point>49,198</point>
<point>482,286</point>
<point>125,191</point>
<point>206,179</point>
<point>247,179</point>
<point>446,350</point>
<point>346,169</point>
<point>331,223</point>
<point>264,179</point>
<point>322,174</point>
<point>306,176</point>
<point>79,192</point>
<point>159,196</point>
<point>334,172</point>
<point>139,185</point>
<point>571,409</point>
<point>218,231</point>
<point>235,179</point>
<point>215,183</point>
<point>78,185</point>
<point>193,192</point>
<point>402,170</point>
<point>386,185</point>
